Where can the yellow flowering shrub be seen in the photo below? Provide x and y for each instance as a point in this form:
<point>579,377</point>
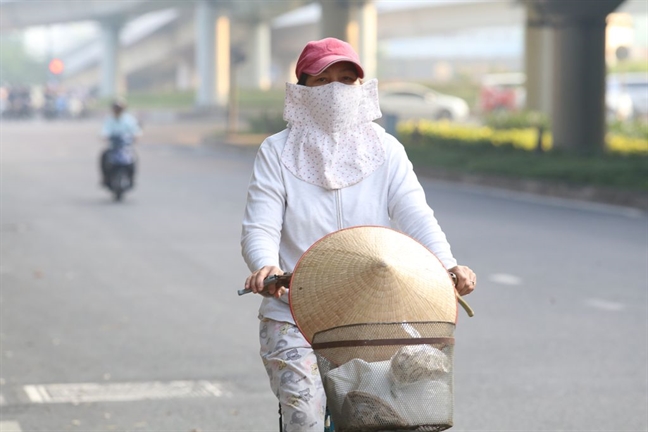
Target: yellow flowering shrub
<point>523,139</point>
<point>627,145</point>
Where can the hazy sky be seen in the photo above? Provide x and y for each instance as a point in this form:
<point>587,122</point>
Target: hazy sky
<point>58,38</point>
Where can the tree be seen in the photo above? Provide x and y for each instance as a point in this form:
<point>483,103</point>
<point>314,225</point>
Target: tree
<point>17,67</point>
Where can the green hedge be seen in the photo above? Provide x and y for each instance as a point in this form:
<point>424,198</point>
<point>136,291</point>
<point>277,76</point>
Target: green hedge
<point>513,153</point>
<point>422,132</point>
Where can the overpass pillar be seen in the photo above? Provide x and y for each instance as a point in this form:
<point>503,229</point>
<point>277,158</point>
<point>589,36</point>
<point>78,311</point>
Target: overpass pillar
<point>538,60</point>
<point>578,106</point>
<point>109,58</point>
<point>578,83</point>
<point>336,17</point>
<point>260,58</point>
<point>354,21</point>
<point>183,75</point>
<point>212,54</point>
<point>368,38</point>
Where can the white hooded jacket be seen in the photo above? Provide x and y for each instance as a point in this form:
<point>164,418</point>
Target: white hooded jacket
<point>284,215</point>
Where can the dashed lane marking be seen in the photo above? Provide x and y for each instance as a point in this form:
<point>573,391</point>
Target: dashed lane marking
<point>604,305</point>
<point>505,279</point>
<point>118,392</point>
<point>9,426</point>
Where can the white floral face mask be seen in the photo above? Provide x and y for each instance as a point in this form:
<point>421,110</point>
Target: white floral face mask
<point>332,142</point>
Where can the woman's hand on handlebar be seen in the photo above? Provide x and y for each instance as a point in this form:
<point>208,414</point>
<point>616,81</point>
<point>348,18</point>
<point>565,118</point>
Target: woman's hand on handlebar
<point>255,282</point>
<point>466,279</point>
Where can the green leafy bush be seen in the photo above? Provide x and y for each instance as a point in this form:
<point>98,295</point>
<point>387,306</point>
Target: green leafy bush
<point>267,122</point>
<point>634,129</point>
<point>517,120</point>
<point>445,146</point>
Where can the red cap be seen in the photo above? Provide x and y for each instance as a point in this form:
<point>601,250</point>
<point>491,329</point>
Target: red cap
<point>318,55</point>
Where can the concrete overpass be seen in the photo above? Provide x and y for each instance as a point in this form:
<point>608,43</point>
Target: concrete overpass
<point>19,14</point>
<point>565,44</point>
<point>174,38</point>
<point>267,35</point>
<point>212,37</point>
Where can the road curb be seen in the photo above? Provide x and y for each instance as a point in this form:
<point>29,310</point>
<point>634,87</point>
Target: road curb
<point>624,198</point>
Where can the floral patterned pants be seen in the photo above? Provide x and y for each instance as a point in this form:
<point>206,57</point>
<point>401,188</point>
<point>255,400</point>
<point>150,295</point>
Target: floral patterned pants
<point>294,376</point>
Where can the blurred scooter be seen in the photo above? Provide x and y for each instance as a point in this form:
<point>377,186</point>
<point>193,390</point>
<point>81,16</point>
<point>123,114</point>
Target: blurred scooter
<point>119,166</point>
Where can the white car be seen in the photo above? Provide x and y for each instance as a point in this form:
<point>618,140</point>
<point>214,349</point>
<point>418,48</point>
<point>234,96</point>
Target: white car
<point>618,102</point>
<point>627,95</point>
<point>408,101</point>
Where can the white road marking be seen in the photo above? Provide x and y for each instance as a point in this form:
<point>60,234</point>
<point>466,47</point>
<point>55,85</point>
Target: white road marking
<point>34,393</point>
<point>505,279</point>
<point>117,392</point>
<point>3,402</point>
<point>604,305</point>
<point>9,426</point>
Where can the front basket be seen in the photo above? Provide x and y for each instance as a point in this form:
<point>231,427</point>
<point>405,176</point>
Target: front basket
<point>394,376</point>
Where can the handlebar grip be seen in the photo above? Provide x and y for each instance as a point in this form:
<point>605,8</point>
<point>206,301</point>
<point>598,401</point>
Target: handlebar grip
<point>281,280</point>
<point>465,305</point>
<point>460,299</point>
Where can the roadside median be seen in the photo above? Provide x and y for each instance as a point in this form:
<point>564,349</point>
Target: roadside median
<point>442,165</point>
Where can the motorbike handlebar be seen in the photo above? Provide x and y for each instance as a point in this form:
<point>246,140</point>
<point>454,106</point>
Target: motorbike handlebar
<point>284,281</point>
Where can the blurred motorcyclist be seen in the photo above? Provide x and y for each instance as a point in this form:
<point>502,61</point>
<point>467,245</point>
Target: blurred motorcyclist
<point>119,129</point>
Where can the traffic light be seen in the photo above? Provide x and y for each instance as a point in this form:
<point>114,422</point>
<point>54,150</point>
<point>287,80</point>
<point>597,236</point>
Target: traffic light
<point>56,66</point>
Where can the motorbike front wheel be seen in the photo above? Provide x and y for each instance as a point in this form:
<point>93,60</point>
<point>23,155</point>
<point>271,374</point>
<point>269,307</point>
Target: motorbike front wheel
<point>119,182</point>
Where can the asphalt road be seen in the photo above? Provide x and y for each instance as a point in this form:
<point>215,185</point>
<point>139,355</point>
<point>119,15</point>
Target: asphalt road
<point>124,316</point>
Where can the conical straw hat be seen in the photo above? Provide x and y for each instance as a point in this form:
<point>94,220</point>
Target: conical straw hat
<point>369,274</point>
